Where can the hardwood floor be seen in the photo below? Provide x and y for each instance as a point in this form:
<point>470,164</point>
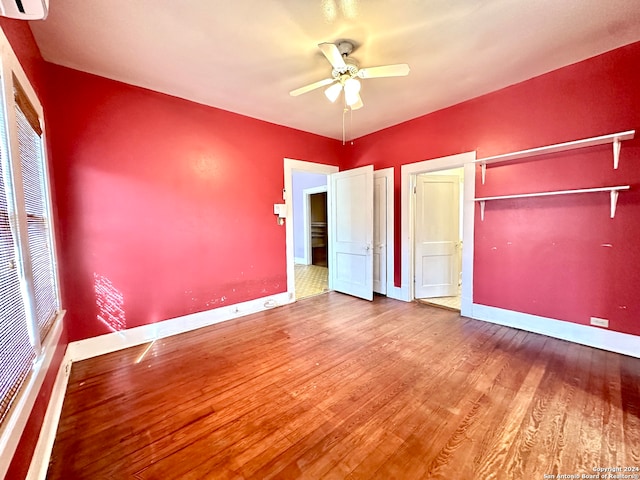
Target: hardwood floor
<point>335,387</point>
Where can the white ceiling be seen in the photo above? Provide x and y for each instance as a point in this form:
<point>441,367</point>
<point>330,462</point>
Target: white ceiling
<point>246,55</point>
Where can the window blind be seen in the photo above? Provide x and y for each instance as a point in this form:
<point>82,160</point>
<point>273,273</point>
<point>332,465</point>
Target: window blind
<point>39,231</point>
<point>16,352</point>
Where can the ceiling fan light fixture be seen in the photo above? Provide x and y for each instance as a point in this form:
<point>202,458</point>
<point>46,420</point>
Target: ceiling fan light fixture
<point>352,91</point>
<point>333,92</point>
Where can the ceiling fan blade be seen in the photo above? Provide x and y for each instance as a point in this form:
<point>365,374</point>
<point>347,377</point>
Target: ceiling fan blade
<point>333,55</point>
<point>312,86</point>
<point>398,70</point>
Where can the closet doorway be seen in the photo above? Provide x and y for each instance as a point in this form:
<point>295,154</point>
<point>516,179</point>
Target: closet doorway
<point>315,226</point>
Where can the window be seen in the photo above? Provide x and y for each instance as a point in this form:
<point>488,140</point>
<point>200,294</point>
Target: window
<point>29,299</point>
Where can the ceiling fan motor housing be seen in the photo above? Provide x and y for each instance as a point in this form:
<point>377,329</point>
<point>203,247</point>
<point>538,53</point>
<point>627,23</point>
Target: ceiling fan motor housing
<point>350,71</point>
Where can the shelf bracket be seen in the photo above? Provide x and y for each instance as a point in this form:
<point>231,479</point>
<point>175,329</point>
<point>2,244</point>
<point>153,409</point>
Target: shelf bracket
<point>484,171</point>
<point>482,210</point>
<point>614,202</point>
<point>616,154</point>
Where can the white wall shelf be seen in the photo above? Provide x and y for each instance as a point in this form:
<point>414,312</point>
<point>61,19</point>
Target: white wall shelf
<point>612,190</point>
<point>613,138</point>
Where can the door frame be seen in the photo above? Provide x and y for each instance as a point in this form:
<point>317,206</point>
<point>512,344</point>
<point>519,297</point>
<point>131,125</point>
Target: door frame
<point>291,165</point>
<point>408,181</point>
<point>306,219</point>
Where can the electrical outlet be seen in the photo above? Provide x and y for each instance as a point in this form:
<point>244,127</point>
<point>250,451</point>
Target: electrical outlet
<point>600,322</point>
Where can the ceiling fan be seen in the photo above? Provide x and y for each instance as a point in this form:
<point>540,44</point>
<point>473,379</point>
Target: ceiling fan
<point>346,74</point>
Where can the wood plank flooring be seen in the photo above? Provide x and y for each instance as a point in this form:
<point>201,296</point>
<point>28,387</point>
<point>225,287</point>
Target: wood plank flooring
<point>335,387</point>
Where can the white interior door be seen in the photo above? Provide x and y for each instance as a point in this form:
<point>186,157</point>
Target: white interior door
<point>437,236</point>
<point>380,234</point>
<point>351,232</point>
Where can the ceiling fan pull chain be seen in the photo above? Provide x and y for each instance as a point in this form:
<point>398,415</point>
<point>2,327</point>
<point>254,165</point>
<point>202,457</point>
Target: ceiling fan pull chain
<point>351,122</point>
<point>344,112</point>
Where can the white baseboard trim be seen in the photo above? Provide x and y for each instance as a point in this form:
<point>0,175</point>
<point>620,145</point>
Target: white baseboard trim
<point>111,342</point>
<point>573,332</point>
<point>42,453</point>
<point>15,422</point>
<point>300,261</point>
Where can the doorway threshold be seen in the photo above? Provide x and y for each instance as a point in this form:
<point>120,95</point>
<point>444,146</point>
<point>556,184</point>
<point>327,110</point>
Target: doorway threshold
<point>447,303</point>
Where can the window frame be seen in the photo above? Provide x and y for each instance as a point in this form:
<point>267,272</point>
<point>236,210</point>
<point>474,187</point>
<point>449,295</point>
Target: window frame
<point>15,421</point>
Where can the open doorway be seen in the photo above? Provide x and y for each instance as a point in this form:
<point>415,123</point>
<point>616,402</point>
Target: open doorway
<point>409,175</point>
<point>310,234</point>
<point>362,268</point>
<point>307,248</point>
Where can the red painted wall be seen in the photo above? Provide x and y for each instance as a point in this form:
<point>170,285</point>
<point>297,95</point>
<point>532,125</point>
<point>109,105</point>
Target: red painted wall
<point>168,205</point>
<point>24,46</point>
<point>547,256</point>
